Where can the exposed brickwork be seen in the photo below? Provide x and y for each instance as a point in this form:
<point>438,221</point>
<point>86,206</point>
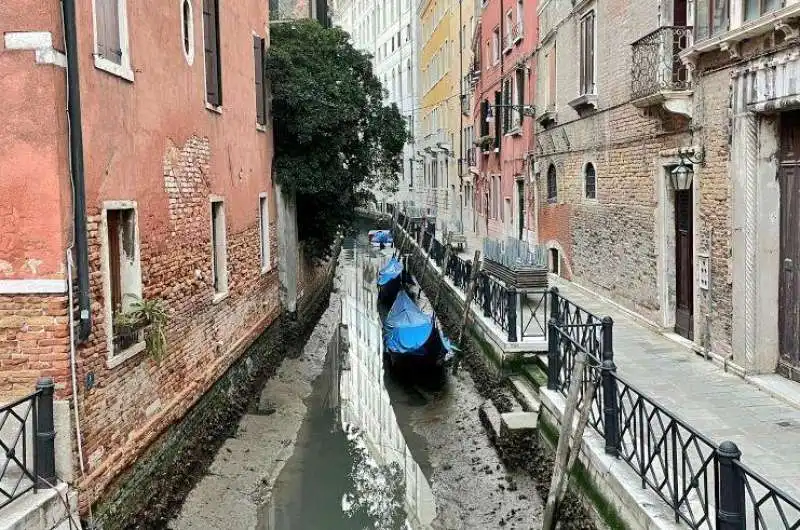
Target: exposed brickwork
<point>34,342</point>
<point>132,403</point>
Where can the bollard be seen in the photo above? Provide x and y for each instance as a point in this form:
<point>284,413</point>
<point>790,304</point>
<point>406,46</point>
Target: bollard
<point>511,310</point>
<point>44,456</point>
<point>552,355</point>
<point>609,381</point>
<point>731,505</point>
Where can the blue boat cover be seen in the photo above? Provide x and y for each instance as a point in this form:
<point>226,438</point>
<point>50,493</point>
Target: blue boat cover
<point>390,271</point>
<point>406,327</point>
<point>383,236</point>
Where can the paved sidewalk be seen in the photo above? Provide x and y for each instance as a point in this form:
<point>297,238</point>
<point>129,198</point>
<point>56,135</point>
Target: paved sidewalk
<point>722,406</point>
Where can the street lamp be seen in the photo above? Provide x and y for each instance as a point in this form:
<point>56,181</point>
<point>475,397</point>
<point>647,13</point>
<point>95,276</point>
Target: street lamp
<point>682,175</point>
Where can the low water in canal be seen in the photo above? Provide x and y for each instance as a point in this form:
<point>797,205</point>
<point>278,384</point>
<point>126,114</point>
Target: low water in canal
<point>375,452</point>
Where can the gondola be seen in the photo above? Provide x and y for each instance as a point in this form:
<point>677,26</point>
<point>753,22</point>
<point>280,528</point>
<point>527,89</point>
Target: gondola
<point>390,281</point>
<point>412,339</point>
<point>381,238</point>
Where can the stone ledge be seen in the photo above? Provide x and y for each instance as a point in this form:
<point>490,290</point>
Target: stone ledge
<point>613,478</point>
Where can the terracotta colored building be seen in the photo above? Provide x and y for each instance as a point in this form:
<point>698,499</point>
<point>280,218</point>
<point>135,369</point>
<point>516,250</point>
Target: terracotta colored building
<point>505,77</point>
<point>166,195</point>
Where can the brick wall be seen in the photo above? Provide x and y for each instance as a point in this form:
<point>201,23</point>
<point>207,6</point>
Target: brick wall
<point>131,404</point>
<point>34,342</point>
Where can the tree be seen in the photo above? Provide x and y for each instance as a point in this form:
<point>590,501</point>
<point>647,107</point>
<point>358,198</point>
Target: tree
<point>335,140</point>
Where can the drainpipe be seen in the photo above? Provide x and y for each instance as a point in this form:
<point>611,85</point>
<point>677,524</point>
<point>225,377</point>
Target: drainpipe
<point>76,168</point>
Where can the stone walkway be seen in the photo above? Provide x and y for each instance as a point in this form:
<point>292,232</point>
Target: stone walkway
<point>720,405</point>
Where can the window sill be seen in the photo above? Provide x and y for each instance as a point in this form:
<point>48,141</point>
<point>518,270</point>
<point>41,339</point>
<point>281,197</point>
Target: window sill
<point>516,131</point>
<point>268,268</point>
<point>584,102</point>
<point>214,108</point>
<point>120,70</point>
<point>547,118</point>
<point>261,128</point>
<point>508,49</point>
<point>552,202</point>
<point>519,38</point>
<point>219,297</point>
<point>118,359</point>
<point>749,29</point>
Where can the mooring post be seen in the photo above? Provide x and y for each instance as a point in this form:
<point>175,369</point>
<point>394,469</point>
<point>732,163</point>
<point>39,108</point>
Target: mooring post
<point>487,295</point>
<point>610,401</point>
<point>731,505</point>
<point>44,457</point>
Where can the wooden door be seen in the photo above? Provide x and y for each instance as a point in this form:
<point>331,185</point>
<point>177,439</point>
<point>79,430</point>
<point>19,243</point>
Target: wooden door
<point>684,265</point>
<point>789,274</point>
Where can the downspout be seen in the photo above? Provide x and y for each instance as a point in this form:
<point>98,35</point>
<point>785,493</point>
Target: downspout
<point>76,168</point>
<point>461,118</point>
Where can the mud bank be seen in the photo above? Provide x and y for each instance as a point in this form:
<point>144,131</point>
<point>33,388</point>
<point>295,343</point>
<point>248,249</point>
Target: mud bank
<point>238,483</point>
<point>154,489</point>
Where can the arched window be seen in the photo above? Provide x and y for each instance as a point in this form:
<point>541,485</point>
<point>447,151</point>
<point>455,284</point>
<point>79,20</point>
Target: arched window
<point>552,184</point>
<point>187,30</point>
<point>590,181</point>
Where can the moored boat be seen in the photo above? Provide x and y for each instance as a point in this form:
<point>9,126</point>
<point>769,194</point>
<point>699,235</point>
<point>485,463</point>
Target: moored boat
<point>412,339</point>
<point>381,238</point>
<point>390,281</point>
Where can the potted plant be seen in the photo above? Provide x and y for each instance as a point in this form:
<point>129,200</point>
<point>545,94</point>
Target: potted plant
<point>484,142</point>
<point>148,317</point>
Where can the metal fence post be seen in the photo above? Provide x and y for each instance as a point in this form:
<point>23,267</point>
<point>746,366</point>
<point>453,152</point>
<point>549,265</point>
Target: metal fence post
<point>610,400</point>
<point>552,355</point>
<point>45,454</point>
<point>487,296</point>
<point>511,310</point>
<point>554,304</point>
<point>731,503</point>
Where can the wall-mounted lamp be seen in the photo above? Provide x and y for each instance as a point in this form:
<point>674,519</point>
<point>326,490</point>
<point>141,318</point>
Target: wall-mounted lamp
<point>682,175</point>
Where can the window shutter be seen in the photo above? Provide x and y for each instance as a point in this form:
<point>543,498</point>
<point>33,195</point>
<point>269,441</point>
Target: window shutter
<point>211,43</point>
<point>590,53</point>
<point>498,101</point>
<point>258,58</point>
<point>551,71</point>
<point>100,17</point>
<point>113,47</point>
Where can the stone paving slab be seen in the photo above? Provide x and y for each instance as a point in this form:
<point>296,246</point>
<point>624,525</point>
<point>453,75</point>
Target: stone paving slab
<point>717,404</point>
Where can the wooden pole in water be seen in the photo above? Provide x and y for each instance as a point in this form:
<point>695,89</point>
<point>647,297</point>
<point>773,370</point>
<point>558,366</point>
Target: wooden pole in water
<point>562,451</point>
<point>575,450</point>
<point>442,277</point>
<point>473,278</point>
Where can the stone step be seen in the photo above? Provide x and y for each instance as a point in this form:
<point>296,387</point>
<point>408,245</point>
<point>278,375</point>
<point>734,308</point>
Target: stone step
<point>43,510</point>
<point>491,420</point>
<point>513,423</point>
<point>525,393</point>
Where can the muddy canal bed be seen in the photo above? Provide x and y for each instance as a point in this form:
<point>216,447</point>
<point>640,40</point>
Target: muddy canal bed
<point>338,443</point>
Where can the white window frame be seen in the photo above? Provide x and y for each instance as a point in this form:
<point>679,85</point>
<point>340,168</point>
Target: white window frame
<point>124,69</point>
<point>582,53</point>
<point>263,228</point>
<point>190,55</point>
<point>496,45</point>
<point>221,292</point>
<point>105,267</point>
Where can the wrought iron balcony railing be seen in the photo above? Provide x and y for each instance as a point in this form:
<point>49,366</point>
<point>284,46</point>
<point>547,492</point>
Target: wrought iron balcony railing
<point>656,63</point>
<point>513,34</point>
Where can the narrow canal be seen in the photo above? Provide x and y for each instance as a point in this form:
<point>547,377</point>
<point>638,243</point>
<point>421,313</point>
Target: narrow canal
<point>337,443</point>
<point>375,451</point>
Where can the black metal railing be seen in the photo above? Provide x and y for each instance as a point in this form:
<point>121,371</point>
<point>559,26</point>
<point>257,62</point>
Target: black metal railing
<point>705,485</point>
<point>459,272</point>
<point>533,313</point>
<point>27,459</point>
<point>656,63</point>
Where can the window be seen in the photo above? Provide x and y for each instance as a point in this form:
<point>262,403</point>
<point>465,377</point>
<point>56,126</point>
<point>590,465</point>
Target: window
<point>550,92</point>
<point>509,29</point>
<point>263,226</point>
<point>122,277</point>
<point>111,38</point>
<point>219,251</point>
<point>587,54</point>
<point>555,261</point>
<point>484,118</point>
<point>756,8</point>
<point>187,30</point>
<point>520,18</point>
<point>711,17</point>
<point>211,43</point>
<point>506,108</point>
<point>408,32</point>
<point>552,184</point>
<point>519,92</point>
<point>590,181</point>
<point>495,46</point>
<point>260,82</point>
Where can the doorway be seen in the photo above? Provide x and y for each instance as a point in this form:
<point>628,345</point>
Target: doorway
<point>789,282</point>
<point>520,209</point>
<point>684,264</point>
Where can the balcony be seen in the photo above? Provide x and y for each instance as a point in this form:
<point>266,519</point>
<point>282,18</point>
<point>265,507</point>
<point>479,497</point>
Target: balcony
<point>658,77</point>
<point>513,35</point>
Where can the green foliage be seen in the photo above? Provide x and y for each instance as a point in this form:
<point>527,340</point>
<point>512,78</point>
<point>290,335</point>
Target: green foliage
<point>335,140</point>
<point>151,314</point>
